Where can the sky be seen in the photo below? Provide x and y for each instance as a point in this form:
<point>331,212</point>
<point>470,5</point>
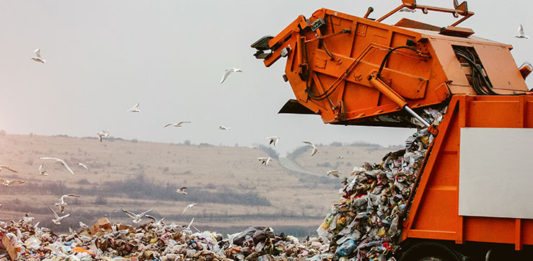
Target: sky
<point>102,57</point>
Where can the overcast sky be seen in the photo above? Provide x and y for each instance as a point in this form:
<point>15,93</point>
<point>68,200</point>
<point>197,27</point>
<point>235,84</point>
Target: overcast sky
<point>105,56</point>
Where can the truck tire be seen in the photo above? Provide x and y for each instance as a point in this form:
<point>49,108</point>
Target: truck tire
<point>429,251</point>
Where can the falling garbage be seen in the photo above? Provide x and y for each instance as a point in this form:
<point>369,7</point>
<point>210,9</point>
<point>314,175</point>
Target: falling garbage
<point>365,223</point>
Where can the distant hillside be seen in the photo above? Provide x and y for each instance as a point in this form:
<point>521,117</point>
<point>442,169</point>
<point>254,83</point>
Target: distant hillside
<point>230,186</point>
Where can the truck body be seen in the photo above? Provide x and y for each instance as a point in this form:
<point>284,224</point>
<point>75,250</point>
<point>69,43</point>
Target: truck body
<point>358,71</point>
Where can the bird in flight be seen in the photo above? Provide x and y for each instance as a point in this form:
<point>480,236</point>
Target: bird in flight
<point>57,219</point>
<point>264,160</point>
<point>179,124</point>
<point>188,207</point>
<point>60,161</point>
<point>4,167</point>
<point>190,224</point>
<point>334,173</point>
<point>102,134</point>
<point>273,140</point>
<point>521,33</point>
<point>38,57</point>
<point>182,191</point>
<point>227,72</point>
<point>7,182</point>
<point>136,218</point>
<point>83,165</point>
<point>314,148</point>
<point>409,10</point>
<point>42,171</point>
<point>221,127</point>
<point>135,108</point>
<point>62,204</point>
<point>83,226</point>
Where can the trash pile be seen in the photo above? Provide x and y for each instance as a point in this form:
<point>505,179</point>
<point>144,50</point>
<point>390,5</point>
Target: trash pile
<point>24,240</point>
<point>365,224</point>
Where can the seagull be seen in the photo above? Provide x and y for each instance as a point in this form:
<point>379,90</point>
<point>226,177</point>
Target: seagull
<point>190,224</point>
<point>38,57</point>
<point>264,160</point>
<point>2,167</point>
<point>179,124</point>
<point>189,206</point>
<point>521,33</point>
<point>57,219</point>
<point>7,182</point>
<point>83,165</point>
<point>315,149</point>
<point>135,108</point>
<point>227,72</point>
<point>102,134</point>
<point>83,226</point>
<point>409,10</point>
<point>42,171</point>
<point>224,128</point>
<point>273,140</point>
<point>60,161</point>
<point>62,203</point>
<point>182,190</point>
<point>334,173</point>
<point>136,218</point>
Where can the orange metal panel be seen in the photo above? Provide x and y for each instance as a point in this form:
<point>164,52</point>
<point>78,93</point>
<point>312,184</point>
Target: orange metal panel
<point>434,208</point>
<point>500,67</point>
<point>492,230</point>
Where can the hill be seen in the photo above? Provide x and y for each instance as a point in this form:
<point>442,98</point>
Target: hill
<point>230,186</point>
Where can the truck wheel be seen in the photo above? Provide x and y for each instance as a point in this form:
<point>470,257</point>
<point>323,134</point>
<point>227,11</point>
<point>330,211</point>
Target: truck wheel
<point>429,251</point>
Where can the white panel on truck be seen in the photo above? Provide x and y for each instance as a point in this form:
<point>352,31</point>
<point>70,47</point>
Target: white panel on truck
<point>496,172</point>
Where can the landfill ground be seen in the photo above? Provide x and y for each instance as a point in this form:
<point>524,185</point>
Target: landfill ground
<point>231,188</point>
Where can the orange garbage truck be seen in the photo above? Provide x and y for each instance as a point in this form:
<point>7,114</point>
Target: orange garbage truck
<point>473,198</point>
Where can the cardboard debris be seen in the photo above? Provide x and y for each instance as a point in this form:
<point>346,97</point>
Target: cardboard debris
<point>102,224</point>
<point>9,247</point>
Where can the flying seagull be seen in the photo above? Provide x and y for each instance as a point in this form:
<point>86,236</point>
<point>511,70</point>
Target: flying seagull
<point>155,222</point>
<point>62,203</point>
<point>521,33</point>
<point>38,57</point>
<point>83,226</point>
<point>409,10</point>
<point>136,218</point>
<point>2,167</point>
<point>135,108</point>
<point>60,161</point>
<point>264,160</point>
<point>334,173</point>
<point>42,171</point>
<point>315,149</point>
<point>227,72</point>
<point>179,124</point>
<point>102,134</point>
<point>83,165</point>
<point>182,191</point>
<point>57,219</point>
<point>7,182</point>
<point>221,127</point>
<point>273,140</point>
<point>190,224</point>
<point>188,207</point>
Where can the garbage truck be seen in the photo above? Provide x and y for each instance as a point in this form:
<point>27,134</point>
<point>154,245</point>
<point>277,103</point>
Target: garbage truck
<point>473,197</point>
